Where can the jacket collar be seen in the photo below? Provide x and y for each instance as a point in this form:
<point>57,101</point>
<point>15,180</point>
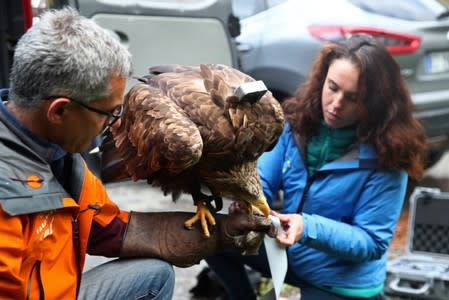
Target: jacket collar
<point>47,150</point>
<point>360,156</point>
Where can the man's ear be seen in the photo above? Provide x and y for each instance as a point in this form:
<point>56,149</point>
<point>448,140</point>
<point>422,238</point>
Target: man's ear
<point>56,110</point>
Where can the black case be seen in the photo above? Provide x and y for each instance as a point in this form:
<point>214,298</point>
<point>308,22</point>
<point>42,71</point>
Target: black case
<point>423,271</point>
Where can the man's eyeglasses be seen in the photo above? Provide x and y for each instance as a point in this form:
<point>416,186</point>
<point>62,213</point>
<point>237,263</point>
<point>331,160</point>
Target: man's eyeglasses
<point>113,115</point>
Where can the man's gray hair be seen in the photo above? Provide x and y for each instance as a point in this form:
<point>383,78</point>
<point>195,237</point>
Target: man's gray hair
<point>66,54</point>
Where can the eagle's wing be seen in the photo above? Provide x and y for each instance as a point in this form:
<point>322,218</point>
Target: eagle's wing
<point>155,134</point>
<point>256,126</point>
<point>186,87</point>
<point>231,130</point>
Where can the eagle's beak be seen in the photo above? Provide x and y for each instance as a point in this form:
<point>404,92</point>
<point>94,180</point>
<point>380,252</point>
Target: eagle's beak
<point>262,205</point>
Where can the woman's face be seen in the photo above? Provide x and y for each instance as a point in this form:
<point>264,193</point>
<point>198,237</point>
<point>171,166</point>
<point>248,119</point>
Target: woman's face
<point>338,97</point>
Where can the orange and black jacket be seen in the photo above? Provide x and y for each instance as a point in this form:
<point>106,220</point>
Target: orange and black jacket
<point>47,227</point>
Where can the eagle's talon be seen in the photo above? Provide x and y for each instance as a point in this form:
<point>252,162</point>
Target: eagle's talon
<point>204,216</point>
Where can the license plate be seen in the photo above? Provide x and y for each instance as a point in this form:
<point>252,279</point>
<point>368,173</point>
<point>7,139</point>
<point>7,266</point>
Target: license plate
<point>436,62</point>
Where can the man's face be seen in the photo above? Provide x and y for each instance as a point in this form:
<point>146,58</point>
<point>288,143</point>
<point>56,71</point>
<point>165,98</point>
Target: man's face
<point>82,125</point>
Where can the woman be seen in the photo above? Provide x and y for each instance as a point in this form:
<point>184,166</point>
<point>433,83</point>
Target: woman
<point>342,162</point>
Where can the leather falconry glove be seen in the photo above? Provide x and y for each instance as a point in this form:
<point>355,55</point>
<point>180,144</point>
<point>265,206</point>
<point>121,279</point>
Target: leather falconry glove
<point>163,235</point>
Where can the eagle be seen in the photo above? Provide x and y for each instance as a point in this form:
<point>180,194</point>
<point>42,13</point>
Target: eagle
<point>187,129</point>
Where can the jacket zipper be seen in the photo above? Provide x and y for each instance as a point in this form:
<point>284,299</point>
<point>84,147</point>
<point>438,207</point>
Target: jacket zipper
<point>36,268</point>
<point>76,246</point>
<point>305,192</point>
<point>76,239</point>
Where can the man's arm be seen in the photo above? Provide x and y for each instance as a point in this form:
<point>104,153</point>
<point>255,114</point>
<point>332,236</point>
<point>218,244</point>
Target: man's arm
<point>164,236</point>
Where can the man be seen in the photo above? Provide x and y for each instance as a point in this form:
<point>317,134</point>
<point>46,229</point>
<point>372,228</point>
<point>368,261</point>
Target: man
<point>67,86</point>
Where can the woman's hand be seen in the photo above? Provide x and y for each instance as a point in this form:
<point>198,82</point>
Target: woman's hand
<point>291,229</point>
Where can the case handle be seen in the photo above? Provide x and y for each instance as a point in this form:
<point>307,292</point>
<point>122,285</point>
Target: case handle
<point>394,285</point>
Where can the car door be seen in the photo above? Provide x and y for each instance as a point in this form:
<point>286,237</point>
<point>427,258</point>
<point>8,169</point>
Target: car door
<point>155,31</point>
<point>169,31</point>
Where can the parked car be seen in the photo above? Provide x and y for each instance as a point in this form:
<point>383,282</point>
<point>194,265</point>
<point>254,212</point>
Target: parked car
<point>280,39</point>
<point>155,31</point>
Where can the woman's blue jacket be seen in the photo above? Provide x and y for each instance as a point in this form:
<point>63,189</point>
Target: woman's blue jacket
<point>350,210</point>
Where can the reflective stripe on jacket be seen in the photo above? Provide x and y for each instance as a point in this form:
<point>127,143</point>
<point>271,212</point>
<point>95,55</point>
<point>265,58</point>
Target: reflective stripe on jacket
<point>41,256</point>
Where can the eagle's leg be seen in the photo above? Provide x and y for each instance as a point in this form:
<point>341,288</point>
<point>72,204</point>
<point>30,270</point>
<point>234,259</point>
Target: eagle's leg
<point>204,211</point>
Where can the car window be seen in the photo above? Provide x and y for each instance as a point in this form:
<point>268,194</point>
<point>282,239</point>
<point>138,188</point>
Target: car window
<point>413,10</point>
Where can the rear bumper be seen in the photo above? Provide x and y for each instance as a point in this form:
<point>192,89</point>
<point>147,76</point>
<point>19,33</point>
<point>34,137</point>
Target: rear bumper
<point>436,126</point>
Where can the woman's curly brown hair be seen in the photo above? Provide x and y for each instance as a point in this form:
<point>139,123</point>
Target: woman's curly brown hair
<point>384,104</point>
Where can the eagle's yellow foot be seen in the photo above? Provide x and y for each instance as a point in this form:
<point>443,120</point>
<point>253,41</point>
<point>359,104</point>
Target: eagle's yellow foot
<point>204,215</point>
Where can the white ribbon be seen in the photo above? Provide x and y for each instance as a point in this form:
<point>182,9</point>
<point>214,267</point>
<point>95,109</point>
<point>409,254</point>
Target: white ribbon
<point>277,261</point>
